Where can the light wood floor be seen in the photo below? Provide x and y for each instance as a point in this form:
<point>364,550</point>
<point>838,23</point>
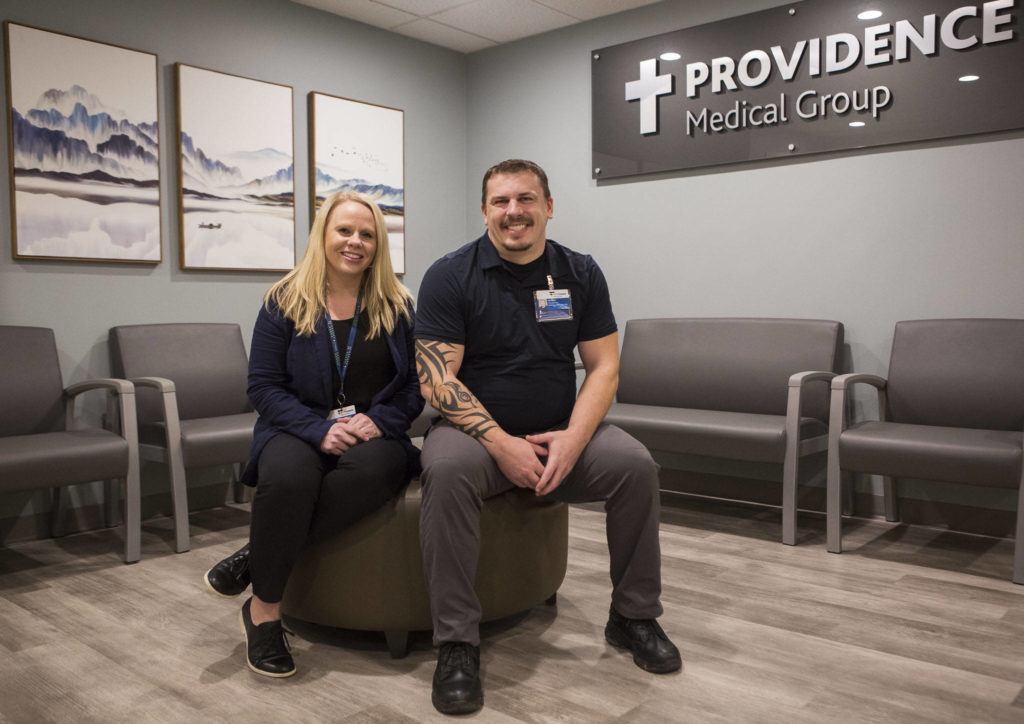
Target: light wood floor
<point>909,625</point>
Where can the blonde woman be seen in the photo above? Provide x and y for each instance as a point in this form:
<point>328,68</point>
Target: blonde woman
<point>333,377</point>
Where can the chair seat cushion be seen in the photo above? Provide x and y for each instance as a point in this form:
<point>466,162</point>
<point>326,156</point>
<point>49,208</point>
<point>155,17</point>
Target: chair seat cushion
<point>953,454</point>
<point>208,440</point>
<point>737,435</point>
<point>61,458</point>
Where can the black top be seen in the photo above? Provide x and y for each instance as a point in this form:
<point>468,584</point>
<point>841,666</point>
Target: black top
<point>521,370</point>
<point>370,368</point>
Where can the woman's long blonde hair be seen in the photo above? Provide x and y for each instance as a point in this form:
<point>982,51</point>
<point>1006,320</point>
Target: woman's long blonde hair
<point>301,294</point>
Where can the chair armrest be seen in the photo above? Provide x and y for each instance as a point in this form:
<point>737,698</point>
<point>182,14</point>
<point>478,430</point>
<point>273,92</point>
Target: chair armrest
<point>116,386</point>
<point>801,378</point>
<point>168,406</point>
<point>160,383</point>
<point>794,405</point>
<point>124,394</point>
<point>844,382</point>
<point>168,399</point>
<point>122,390</point>
<point>795,400</point>
<point>837,419</point>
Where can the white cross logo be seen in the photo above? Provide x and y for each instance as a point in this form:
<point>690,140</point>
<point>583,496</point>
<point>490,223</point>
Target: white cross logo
<point>646,90</point>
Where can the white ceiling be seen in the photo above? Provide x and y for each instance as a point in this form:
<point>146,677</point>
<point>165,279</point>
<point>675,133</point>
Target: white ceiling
<point>469,25</point>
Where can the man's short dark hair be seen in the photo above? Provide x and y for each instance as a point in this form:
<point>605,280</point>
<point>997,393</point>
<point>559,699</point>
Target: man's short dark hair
<point>516,165</point>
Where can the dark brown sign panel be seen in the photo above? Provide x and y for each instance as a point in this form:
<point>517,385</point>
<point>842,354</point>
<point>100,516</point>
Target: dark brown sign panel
<point>814,76</point>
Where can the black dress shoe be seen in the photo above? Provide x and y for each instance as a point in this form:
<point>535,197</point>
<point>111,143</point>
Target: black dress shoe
<point>266,650</point>
<point>457,688</point>
<point>652,651</point>
<point>231,576</point>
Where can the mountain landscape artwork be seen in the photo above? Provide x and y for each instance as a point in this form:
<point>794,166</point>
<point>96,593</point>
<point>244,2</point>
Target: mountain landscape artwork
<point>360,147</point>
<point>236,166</point>
<point>85,161</point>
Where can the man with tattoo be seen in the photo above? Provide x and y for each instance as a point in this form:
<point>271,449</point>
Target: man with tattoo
<point>497,323</point>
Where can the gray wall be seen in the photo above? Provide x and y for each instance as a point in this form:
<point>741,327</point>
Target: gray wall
<point>271,40</point>
<point>929,230</point>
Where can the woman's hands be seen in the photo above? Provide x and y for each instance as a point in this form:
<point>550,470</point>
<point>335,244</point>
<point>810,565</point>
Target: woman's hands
<point>347,433</point>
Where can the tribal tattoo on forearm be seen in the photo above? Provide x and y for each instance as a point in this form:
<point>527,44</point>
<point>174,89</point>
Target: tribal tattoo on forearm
<point>450,397</point>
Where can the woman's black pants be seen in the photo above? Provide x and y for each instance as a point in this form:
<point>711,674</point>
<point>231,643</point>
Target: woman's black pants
<point>304,496</point>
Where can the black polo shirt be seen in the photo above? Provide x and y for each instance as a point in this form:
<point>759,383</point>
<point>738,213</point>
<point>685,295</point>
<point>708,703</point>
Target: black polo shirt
<point>521,370</point>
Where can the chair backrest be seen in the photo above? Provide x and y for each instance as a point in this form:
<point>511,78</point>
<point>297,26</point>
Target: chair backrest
<point>727,364</point>
<point>206,362</point>
<point>958,373</point>
<point>31,390</point>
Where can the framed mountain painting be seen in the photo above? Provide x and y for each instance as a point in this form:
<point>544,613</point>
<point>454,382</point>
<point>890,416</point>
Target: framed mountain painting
<point>85,156</point>
<point>236,182</point>
<point>360,147</point>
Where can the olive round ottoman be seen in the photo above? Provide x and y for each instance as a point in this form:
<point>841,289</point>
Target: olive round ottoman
<point>370,577</point>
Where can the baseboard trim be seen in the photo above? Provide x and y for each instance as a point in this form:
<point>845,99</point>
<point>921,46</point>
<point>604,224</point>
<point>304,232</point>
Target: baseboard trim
<point>958,517</point>
<point>36,526</point>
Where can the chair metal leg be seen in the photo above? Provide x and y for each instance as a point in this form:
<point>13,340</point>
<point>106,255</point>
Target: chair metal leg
<point>891,502</point>
<point>1018,546</point>
<point>791,459</point>
<point>174,456</point>
<point>58,499</point>
<point>132,482</point>
<point>238,486</point>
<point>111,496</point>
<point>111,488</point>
<point>179,500</point>
<point>176,466</point>
<point>790,478</point>
<point>834,477</point>
<point>132,517</point>
<point>849,495</point>
<point>398,643</point>
<point>833,511</point>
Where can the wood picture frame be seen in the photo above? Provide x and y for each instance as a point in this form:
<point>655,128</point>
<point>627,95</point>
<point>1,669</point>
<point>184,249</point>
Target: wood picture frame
<point>83,148</point>
<point>236,160</point>
<point>360,147</point>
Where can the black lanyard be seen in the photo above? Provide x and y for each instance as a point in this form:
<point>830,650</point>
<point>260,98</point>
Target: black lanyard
<point>343,369</point>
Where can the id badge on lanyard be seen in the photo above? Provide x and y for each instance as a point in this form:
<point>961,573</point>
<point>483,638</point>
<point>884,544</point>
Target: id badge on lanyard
<point>343,411</point>
<point>552,305</point>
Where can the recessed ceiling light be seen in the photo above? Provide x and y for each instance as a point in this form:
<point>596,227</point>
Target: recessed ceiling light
<point>968,78</point>
<point>670,56</point>
<point>870,15</point>
<point>856,124</point>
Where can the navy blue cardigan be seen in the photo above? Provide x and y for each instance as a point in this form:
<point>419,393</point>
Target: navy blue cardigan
<point>290,387</point>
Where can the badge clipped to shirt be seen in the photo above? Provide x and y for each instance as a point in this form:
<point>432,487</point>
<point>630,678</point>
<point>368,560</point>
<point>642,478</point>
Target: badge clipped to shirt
<point>552,305</point>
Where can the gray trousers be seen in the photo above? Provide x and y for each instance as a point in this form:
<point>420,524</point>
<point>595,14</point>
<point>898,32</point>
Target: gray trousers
<point>459,473</point>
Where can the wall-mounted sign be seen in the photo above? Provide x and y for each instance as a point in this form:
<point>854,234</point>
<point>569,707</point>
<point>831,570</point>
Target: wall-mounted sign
<point>809,77</point>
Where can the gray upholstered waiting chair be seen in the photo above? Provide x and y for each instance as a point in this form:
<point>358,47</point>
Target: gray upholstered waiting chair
<point>951,410</point>
<point>748,389</point>
<point>193,409</point>
<point>39,447</point>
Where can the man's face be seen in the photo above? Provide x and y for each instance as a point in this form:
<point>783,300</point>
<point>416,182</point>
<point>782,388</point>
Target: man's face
<point>516,214</point>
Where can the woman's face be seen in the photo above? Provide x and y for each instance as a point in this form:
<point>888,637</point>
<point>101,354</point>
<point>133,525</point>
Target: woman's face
<point>350,240</point>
